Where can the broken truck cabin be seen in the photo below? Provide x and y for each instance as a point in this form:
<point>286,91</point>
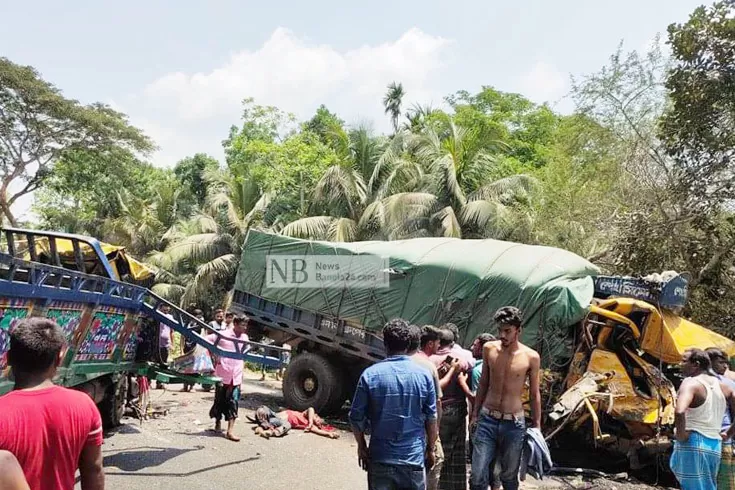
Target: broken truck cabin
<point>609,346</point>
<point>619,390</point>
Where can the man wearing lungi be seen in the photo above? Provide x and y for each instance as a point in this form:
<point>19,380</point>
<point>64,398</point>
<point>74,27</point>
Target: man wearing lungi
<point>227,394</point>
<point>700,407</point>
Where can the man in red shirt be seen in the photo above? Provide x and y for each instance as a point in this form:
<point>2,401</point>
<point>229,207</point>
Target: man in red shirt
<point>51,430</point>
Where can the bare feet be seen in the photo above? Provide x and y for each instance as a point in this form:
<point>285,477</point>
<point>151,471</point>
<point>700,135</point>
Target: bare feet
<point>217,426</point>
<point>232,437</point>
<point>262,432</point>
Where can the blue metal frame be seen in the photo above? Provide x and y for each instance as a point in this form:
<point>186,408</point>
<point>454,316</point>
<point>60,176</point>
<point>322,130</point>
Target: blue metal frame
<point>33,280</point>
<point>330,332</point>
<point>92,242</point>
<point>671,294</point>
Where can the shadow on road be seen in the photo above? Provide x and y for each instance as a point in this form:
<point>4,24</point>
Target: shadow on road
<point>144,457</point>
<point>184,474</point>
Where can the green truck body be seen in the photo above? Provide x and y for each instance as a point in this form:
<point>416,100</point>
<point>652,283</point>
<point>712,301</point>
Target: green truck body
<point>429,281</point>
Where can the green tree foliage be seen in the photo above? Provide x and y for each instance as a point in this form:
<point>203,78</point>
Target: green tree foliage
<point>509,124</point>
<point>698,133</point>
<point>82,191</point>
<point>191,171</point>
<point>38,125</point>
<point>699,128</point>
<point>637,179</point>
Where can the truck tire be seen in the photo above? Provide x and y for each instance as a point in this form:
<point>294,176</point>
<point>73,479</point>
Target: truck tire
<point>112,408</point>
<point>312,381</point>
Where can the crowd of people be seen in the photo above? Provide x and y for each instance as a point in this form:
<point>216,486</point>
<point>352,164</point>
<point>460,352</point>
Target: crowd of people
<point>414,408</point>
<point>417,404</point>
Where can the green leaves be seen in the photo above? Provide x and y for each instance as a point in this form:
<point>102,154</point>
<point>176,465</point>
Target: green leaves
<point>698,129</point>
<point>38,126</point>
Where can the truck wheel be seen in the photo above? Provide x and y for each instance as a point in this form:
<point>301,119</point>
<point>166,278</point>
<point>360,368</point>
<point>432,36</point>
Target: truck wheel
<point>312,381</point>
<point>112,408</point>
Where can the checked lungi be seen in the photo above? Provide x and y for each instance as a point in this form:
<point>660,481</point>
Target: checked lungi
<point>726,475</point>
<point>695,463</point>
<point>453,434</point>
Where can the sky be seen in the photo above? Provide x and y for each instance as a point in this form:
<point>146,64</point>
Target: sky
<point>180,70</point>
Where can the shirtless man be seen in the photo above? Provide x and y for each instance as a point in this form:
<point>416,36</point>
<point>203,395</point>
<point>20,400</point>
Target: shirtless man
<point>498,411</point>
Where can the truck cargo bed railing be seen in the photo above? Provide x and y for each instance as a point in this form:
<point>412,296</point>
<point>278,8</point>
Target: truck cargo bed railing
<point>23,279</point>
<point>321,329</point>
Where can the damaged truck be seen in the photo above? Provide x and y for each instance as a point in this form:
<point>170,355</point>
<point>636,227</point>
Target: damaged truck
<point>610,346</point>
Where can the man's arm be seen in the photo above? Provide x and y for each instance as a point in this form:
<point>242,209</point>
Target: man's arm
<point>90,468</point>
<point>431,426</point>
<point>484,383</point>
<point>358,421</point>
<point>11,474</point>
<point>462,380</point>
<point>683,400</point>
<point>310,413</point>
<point>444,381</point>
<point>534,385</point>
<point>322,432</point>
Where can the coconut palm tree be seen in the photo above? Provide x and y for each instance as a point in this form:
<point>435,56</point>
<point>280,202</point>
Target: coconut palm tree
<point>422,185</point>
<point>392,103</point>
<point>205,250</point>
<point>143,223</point>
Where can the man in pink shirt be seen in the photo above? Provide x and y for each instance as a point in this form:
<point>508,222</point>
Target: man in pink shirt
<point>227,394</point>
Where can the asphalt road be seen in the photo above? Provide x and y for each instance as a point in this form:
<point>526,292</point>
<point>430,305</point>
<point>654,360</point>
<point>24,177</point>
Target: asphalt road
<point>177,452</point>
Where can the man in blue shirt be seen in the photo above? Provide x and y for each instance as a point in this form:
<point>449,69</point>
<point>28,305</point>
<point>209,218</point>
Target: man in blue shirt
<point>396,398</point>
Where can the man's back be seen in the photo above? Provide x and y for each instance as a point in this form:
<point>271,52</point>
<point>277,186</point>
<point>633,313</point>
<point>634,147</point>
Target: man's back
<point>425,361</point>
<point>397,397</point>
<point>47,429</point>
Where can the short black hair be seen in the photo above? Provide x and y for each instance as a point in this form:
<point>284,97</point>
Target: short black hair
<point>700,358</point>
<point>229,313</point>
<point>240,319</point>
<point>198,312</point>
<point>415,338</point>
<point>446,337</point>
<point>509,315</point>
<point>485,337</point>
<point>397,335</point>
<point>35,344</point>
<point>219,310</point>
<point>716,353</point>
<point>429,333</point>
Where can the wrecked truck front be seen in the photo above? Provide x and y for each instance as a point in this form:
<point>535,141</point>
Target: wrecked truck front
<point>619,387</point>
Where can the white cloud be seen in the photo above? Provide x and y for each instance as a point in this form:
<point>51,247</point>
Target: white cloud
<point>544,83</point>
<point>188,112</point>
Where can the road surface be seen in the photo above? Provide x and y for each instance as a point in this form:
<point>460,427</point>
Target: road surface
<point>178,452</point>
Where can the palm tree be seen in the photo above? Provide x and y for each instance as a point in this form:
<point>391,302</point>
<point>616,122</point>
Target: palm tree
<point>422,185</point>
<point>142,223</point>
<point>205,250</point>
<point>392,103</point>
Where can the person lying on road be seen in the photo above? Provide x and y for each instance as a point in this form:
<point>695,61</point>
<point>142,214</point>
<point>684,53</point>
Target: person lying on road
<point>277,424</point>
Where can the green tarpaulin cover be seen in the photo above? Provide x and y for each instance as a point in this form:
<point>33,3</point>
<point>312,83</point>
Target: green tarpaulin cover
<point>439,280</point>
